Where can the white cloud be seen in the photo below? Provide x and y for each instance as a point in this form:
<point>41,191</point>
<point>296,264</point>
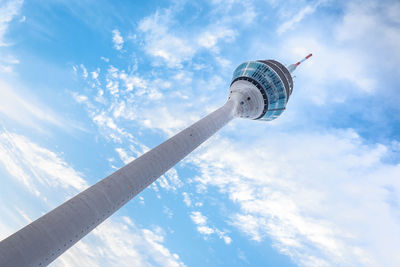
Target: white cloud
<point>95,74</point>
<point>376,25</point>
<point>8,10</point>
<point>320,197</point>
<point>26,110</point>
<point>162,119</point>
<point>329,65</point>
<point>117,39</point>
<point>186,199</point>
<point>105,59</point>
<point>205,230</point>
<point>84,71</point>
<point>36,167</point>
<point>210,38</point>
<point>132,82</point>
<point>170,180</point>
<point>342,54</point>
<point>79,98</point>
<point>201,221</point>
<point>103,120</point>
<point>198,218</point>
<point>124,155</point>
<point>7,64</point>
<point>298,17</point>
<point>233,12</point>
<point>23,215</point>
<point>222,235</point>
<point>167,211</point>
<point>174,48</point>
<point>161,43</point>
<point>118,102</point>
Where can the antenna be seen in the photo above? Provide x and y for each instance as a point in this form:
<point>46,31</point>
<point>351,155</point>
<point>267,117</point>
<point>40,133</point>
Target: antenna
<point>292,67</point>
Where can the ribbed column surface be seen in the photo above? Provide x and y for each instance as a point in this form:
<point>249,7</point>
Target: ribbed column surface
<point>42,241</point>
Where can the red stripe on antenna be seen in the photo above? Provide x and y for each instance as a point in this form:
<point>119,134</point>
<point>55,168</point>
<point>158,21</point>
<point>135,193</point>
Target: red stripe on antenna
<point>309,55</point>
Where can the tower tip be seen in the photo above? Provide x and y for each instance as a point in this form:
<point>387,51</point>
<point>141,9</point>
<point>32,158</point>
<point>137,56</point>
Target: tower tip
<point>292,67</point>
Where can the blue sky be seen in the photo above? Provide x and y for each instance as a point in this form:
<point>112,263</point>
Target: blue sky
<point>87,86</point>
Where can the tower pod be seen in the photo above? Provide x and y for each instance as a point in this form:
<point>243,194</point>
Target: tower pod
<point>274,84</point>
<point>273,81</point>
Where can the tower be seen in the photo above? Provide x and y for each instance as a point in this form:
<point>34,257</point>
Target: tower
<point>259,90</point>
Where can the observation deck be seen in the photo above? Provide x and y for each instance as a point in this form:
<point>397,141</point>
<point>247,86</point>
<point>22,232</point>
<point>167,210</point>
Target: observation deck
<point>274,82</point>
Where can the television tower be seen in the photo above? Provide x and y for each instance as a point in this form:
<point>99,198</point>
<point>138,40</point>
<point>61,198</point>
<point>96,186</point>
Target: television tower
<point>259,90</point>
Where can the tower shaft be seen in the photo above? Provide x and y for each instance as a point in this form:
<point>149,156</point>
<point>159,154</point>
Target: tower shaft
<point>46,238</point>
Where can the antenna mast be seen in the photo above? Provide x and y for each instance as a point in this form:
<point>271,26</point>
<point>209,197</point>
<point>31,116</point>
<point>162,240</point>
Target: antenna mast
<point>292,67</point>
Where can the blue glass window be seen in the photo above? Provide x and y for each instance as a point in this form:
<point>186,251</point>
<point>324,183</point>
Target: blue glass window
<point>270,82</point>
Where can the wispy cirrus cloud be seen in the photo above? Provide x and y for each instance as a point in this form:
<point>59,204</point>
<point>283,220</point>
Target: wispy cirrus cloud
<point>160,42</point>
<point>205,229</point>
<point>25,109</point>
<point>22,107</point>
<point>174,48</point>
<point>36,167</point>
<point>8,10</point>
<point>318,196</point>
<point>299,16</point>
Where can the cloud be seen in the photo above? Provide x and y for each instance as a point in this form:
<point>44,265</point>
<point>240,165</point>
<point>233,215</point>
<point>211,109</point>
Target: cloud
<point>23,109</point>
<point>174,48</point>
<point>79,98</point>
<point>330,65</point>
<point>36,167</point>
<point>105,59</point>
<point>232,12</point>
<point>209,39</point>
<point>319,196</point>
<point>170,180</point>
<point>124,155</point>
<point>377,30</point>
<point>198,218</point>
<point>161,43</point>
<point>203,228</point>
<point>186,199</point>
<point>7,64</point>
<point>298,16</point>
<point>162,119</point>
<point>167,211</point>
<point>341,68</point>
<point>8,10</point>
<point>117,39</point>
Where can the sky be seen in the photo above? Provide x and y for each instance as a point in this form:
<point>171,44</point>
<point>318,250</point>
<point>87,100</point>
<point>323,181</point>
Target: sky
<point>87,86</point>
